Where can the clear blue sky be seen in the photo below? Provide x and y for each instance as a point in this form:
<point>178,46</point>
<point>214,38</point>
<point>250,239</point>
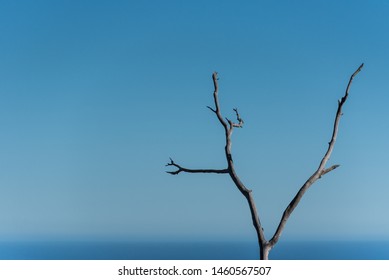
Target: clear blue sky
<point>95,96</point>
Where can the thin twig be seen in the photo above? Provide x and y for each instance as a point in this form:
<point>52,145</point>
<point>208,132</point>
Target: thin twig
<point>240,121</point>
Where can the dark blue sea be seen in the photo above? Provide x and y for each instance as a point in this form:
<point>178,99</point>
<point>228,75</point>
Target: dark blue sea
<point>298,250</point>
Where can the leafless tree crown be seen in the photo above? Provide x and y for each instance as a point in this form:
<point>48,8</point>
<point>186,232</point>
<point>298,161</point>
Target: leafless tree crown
<point>229,125</point>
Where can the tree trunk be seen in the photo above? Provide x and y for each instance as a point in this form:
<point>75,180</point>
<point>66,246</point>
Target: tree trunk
<point>264,252</point>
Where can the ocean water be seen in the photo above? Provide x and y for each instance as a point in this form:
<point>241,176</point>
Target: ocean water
<point>361,250</point>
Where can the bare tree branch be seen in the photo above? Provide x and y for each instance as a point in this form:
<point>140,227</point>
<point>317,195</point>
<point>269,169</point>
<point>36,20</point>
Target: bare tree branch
<point>216,100</point>
<point>325,171</point>
<point>210,108</point>
<point>228,126</point>
<point>231,170</point>
<point>183,169</point>
<point>321,169</point>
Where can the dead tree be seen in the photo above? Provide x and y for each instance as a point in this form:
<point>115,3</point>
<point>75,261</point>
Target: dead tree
<point>265,245</point>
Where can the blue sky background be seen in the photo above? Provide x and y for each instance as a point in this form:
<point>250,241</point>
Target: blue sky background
<point>95,96</point>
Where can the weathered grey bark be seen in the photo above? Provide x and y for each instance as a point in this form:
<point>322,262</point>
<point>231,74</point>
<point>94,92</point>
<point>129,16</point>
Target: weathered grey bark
<point>228,125</point>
